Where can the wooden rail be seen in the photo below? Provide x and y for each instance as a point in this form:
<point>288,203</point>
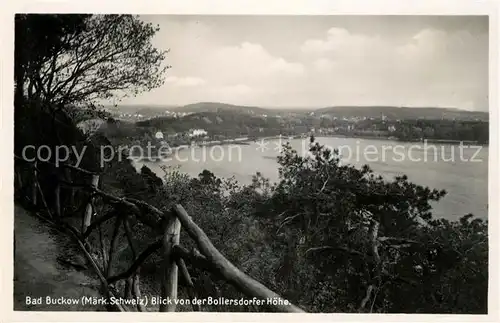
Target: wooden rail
<point>166,225</point>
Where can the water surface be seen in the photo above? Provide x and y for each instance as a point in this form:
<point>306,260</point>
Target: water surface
<point>461,171</point>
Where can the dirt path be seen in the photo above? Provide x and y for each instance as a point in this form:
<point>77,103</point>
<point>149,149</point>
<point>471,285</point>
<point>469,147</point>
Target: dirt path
<point>38,274</point>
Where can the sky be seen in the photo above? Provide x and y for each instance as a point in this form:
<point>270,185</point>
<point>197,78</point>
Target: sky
<point>319,61</point>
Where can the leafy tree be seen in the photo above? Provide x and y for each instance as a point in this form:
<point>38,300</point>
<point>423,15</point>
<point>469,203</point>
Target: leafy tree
<point>39,38</point>
<point>83,59</point>
<point>66,63</point>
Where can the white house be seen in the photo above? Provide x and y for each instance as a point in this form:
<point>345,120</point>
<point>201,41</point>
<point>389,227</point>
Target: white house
<point>197,133</point>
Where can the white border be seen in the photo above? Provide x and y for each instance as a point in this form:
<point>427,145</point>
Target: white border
<point>261,7</point>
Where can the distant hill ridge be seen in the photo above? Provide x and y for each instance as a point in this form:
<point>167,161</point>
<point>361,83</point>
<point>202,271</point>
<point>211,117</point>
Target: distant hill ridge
<point>217,107</point>
<point>403,112</point>
<point>391,112</point>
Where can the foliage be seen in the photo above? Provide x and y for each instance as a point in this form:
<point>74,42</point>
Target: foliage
<point>38,38</point>
<point>83,59</point>
<point>369,231</point>
<point>227,124</point>
<point>326,234</point>
<point>412,129</point>
<point>219,125</point>
<point>443,130</point>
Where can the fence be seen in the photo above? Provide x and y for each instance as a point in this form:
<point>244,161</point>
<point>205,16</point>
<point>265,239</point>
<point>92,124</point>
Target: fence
<point>167,225</point>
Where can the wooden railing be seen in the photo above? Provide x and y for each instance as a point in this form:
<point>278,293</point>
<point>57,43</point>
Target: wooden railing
<point>166,225</point>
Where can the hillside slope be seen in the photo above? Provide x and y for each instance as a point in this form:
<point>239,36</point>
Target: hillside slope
<point>220,107</point>
<point>38,273</point>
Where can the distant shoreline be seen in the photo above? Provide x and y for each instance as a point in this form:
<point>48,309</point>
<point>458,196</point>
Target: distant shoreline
<point>394,139</point>
<point>248,141</point>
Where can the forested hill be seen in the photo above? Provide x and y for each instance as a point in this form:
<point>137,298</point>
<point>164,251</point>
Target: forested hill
<point>221,107</point>
<point>390,112</point>
<point>402,113</point>
<point>227,123</point>
<point>234,121</point>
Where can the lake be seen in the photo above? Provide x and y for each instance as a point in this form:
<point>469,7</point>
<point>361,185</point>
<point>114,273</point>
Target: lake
<point>461,170</point>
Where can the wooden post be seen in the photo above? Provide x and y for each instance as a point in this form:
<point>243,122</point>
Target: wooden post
<point>112,245</point>
<point>129,283</point>
<point>88,211</point>
<point>104,283</point>
<point>72,196</point>
<point>34,191</point>
<point>103,250</point>
<point>189,282</point>
<point>137,293</point>
<point>18,191</point>
<point>69,196</point>
<point>226,269</point>
<point>57,198</point>
<point>169,278</point>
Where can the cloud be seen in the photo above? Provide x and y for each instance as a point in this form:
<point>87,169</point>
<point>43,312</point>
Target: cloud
<point>231,93</point>
<point>341,43</point>
<point>280,65</point>
<point>238,93</point>
<point>427,67</point>
<point>323,64</point>
<point>419,63</point>
<point>426,44</point>
<point>238,89</point>
<point>250,60</point>
<point>185,81</point>
<point>334,39</point>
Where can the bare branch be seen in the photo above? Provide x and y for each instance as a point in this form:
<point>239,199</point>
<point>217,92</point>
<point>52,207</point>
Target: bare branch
<point>232,274</point>
<point>137,263</point>
<point>114,54</point>
<point>365,300</point>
